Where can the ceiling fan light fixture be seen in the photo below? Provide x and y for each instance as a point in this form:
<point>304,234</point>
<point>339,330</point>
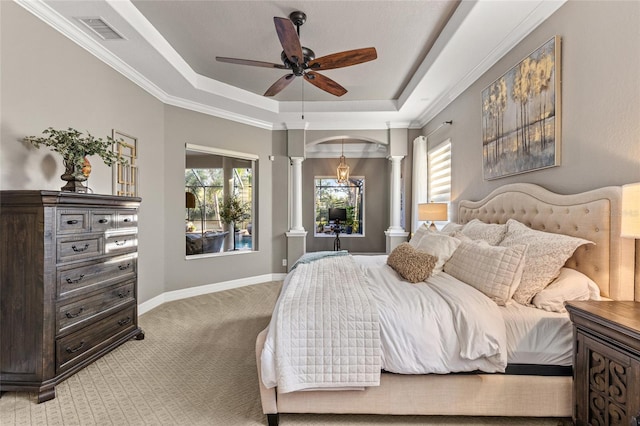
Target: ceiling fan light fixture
<point>342,171</point>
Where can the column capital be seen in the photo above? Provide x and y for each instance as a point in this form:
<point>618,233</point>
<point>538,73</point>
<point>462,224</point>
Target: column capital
<point>296,159</point>
<point>395,157</point>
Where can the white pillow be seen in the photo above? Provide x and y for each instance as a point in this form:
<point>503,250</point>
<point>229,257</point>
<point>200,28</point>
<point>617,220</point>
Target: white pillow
<point>439,245</point>
<point>495,271</point>
<point>570,285</point>
<point>417,236</point>
<point>492,233</point>
<point>546,254</point>
<point>451,228</point>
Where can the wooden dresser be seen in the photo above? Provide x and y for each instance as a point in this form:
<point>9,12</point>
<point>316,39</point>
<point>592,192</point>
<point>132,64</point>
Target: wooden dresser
<point>606,362</point>
<point>68,284</point>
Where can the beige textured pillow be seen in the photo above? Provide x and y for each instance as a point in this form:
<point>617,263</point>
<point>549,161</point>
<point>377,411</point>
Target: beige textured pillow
<point>546,254</point>
<point>439,245</point>
<point>495,271</point>
<point>413,265</point>
<point>492,233</point>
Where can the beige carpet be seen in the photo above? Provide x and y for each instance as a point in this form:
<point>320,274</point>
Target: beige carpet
<point>196,366</point>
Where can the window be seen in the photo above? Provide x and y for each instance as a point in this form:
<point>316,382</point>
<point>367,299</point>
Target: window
<point>439,173</point>
<point>439,177</point>
<point>329,194</point>
<point>209,203</point>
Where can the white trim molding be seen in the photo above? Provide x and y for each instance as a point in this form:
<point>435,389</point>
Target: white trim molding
<point>170,296</point>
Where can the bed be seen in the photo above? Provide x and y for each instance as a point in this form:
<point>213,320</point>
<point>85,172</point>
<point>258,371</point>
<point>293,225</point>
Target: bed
<point>609,262</point>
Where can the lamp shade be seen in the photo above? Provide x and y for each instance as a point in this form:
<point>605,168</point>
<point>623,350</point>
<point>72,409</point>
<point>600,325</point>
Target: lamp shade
<point>190,200</point>
<point>432,211</point>
<point>630,210</point>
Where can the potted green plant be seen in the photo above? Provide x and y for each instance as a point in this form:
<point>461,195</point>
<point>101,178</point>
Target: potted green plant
<point>74,147</point>
<point>233,211</point>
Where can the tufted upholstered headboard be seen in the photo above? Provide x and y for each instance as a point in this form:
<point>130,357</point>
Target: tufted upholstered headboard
<point>592,215</point>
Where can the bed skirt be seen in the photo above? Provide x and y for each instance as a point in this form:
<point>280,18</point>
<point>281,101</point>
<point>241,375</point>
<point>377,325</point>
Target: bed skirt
<point>455,394</point>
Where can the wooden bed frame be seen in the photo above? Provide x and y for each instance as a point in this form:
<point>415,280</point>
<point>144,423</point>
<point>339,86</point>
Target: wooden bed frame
<point>593,215</point>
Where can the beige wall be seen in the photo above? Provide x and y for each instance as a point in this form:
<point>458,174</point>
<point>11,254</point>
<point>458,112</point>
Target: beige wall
<point>376,172</point>
<point>181,127</point>
<point>600,104</point>
<point>279,200</point>
<point>46,80</point>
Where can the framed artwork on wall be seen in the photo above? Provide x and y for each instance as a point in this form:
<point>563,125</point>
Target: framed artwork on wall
<point>521,120</point>
<point>125,176</point>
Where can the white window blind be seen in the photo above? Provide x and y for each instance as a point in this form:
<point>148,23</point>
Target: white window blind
<point>439,176</point>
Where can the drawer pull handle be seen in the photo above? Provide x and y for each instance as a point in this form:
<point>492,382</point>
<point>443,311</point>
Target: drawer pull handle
<point>118,243</point>
<point>103,221</point>
<point>127,220</point>
<point>125,321</point>
<point>72,222</point>
<point>76,349</point>
<point>70,315</point>
<point>122,294</point>
<point>77,249</point>
<point>76,281</point>
<point>123,267</point>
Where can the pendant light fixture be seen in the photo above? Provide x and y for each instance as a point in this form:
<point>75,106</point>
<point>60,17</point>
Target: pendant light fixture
<point>343,168</point>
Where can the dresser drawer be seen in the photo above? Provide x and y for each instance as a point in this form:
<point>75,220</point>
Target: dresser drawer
<point>79,248</point>
<point>72,221</point>
<point>121,243</point>
<point>78,312</point>
<point>103,221</point>
<point>78,346</point>
<point>127,219</point>
<point>88,277</point>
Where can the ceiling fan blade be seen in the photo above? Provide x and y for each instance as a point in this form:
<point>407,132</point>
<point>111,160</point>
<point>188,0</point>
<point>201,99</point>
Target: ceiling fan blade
<point>249,62</point>
<point>289,39</point>
<point>344,59</point>
<point>324,83</point>
<point>279,85</point>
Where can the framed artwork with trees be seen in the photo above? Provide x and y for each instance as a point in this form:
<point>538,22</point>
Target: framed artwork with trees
<point>521,115</point>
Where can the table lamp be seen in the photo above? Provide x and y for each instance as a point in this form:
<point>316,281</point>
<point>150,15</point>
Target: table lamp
<point>432,212</point>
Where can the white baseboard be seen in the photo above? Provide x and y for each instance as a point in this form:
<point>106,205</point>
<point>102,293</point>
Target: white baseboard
<point>170,296</point>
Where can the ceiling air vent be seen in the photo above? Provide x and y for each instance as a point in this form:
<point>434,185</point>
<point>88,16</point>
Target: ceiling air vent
<point>101,28</point>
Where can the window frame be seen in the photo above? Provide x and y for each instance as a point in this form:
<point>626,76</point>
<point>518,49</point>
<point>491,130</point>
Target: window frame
<point>254,194</point>
<point>316,234</point>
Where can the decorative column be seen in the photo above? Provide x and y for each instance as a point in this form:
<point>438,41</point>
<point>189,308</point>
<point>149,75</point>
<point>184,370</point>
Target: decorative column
<point>394,216</point>
<point>297,236</point>
<point>395,234</point>
<point>296,196</point>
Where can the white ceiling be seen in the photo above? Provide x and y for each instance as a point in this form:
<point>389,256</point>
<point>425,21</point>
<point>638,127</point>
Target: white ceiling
<point>428,53</point>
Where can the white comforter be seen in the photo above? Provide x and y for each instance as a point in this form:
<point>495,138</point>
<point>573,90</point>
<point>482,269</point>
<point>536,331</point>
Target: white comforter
<point>441,326</point>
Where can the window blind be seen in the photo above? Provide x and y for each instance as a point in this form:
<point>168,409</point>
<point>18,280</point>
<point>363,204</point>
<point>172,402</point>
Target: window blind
<point>439,178</point>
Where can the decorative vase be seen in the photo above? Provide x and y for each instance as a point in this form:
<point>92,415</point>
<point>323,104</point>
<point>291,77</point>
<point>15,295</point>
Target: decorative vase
<point>75,174</point>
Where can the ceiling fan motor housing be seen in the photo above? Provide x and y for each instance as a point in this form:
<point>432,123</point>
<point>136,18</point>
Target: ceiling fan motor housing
<point>298,69</point>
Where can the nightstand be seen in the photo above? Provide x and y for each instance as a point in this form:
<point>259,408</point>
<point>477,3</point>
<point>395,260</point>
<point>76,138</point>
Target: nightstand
<point>606,374</point>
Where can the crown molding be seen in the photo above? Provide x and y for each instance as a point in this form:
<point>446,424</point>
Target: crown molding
<point>531,21</point>
<point>413,110</point>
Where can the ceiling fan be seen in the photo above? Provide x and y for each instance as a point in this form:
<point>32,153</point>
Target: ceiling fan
<point>302,61</point>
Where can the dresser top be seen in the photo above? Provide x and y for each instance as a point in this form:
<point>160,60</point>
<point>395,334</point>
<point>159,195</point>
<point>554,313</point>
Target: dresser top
<point>44,197</point>
<point>625,314</point>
